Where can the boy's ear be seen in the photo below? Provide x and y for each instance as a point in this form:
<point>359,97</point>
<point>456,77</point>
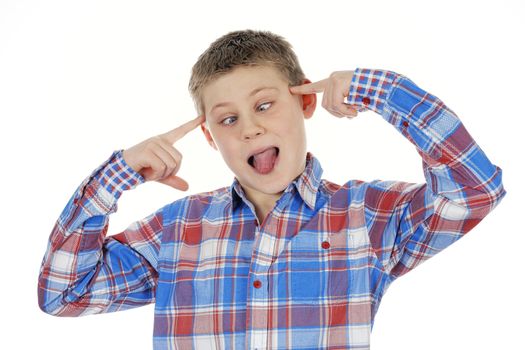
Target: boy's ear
<point>207,135</point>
<point>309,102</point>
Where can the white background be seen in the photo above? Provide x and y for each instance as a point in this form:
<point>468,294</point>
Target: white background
<point>79,79</point>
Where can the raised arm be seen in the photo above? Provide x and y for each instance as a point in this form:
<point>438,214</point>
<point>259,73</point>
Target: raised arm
<point>83,271</point>
<point>408,223</point>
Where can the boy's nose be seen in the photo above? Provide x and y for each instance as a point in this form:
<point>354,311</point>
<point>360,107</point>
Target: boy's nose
<point>252,130</point>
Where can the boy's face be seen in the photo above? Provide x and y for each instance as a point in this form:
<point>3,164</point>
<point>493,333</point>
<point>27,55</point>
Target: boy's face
<point>258,127</point>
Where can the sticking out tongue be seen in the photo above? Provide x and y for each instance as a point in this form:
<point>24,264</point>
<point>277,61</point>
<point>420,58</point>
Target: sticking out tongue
<point>263,162</point>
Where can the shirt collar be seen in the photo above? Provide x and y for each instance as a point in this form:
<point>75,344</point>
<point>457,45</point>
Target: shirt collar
<point>306,184</point>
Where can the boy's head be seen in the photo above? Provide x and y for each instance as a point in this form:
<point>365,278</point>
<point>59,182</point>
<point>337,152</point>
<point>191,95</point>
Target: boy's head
<point>243,48</point>
<point>241,84</point>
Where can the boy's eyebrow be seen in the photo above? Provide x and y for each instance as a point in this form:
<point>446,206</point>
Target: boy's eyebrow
<point>222,104</point>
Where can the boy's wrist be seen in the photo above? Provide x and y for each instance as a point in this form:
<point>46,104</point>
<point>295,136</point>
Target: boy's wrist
<point>117,176</point>
<point>369,88</point>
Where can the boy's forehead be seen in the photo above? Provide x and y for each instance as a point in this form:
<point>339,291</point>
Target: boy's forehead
<point>242,82</point>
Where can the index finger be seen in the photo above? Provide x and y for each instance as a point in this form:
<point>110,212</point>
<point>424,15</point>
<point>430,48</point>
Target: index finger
<point>310,88</point>
<point>176,134</point>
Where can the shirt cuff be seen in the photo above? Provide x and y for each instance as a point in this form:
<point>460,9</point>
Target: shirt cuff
<point>370,88</point>
<point>117,176</point>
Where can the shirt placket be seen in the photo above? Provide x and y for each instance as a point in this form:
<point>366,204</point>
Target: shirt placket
<point>260,289</point>
<point>266,240</point>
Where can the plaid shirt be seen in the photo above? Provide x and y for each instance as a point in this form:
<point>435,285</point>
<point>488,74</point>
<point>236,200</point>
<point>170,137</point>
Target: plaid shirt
<point>311,276</point>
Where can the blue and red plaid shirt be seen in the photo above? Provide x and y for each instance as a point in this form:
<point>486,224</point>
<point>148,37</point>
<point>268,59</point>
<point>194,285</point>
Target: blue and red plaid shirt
<point>311,276</point>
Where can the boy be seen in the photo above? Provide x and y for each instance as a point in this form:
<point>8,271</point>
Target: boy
<point>281,259</point>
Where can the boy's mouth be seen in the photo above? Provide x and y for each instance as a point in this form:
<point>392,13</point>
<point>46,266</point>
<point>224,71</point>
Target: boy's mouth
<point>263,161</point>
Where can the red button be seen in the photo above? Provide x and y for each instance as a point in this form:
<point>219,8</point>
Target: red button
<point>325,245</point>
<point>405,124</point>
<point>366,100</point>
<point>257,284</point>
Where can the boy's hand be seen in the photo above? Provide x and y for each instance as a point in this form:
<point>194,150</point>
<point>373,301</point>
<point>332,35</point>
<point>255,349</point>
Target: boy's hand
<point>157,160</point>
<point>335,89</point>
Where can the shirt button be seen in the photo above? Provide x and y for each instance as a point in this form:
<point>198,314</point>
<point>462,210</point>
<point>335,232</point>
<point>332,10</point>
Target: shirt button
<point>366,100</point>
<point>257,284</point>
<point>405,124</point>
<point>325,245</point>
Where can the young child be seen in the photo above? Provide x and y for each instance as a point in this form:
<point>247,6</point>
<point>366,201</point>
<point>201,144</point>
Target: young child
<point>281,259</point>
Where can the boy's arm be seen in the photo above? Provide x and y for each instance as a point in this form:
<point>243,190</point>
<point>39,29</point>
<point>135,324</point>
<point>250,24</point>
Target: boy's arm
<point>409,223</point>
<point>83,272</point>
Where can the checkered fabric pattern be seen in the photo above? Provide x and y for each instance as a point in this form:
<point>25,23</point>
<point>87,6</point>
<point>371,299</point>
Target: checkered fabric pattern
<point>311,276</point>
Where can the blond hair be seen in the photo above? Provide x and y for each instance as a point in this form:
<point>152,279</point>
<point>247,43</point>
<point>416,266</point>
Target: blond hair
<point>243,48</point>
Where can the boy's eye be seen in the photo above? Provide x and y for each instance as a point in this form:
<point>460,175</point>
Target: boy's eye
<point>229,120</point>
<point>262,107</point>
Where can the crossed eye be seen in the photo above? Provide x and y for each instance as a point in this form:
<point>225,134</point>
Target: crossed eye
<point>231,119</point>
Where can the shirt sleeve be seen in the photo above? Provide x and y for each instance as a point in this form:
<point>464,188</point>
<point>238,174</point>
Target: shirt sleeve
<point>83,271</point>
<point>409,223</point>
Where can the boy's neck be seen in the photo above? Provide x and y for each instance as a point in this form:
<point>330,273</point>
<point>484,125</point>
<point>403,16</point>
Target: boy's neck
<point>262,202</point>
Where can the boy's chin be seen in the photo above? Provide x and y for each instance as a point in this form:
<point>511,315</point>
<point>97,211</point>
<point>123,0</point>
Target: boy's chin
<point>269,187</point>
<point>264,191</point>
